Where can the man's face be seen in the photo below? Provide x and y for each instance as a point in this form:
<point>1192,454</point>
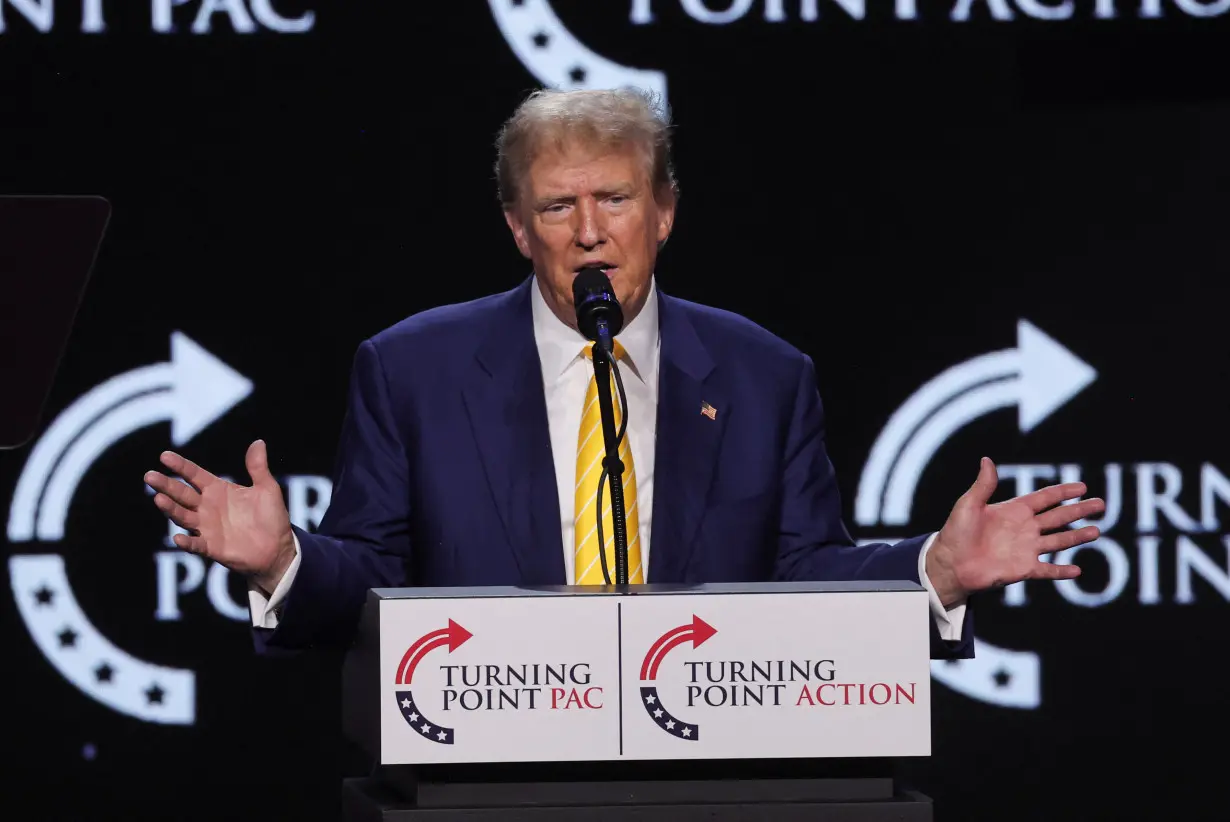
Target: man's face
<point>582,207</point>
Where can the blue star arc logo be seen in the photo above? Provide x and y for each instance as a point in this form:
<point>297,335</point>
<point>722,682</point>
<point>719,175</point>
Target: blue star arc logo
<point>664,719</point>
<point>428,730</point>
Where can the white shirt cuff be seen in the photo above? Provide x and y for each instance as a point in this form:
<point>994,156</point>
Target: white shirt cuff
<point>949,621</point>
<point>265,610</point>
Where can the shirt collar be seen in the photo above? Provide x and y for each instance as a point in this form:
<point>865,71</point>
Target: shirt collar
<point>560,345</point>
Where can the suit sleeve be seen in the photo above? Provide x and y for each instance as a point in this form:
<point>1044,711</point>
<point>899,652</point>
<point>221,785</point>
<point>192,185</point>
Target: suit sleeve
<point>363,541</point>
<point>813,543</point>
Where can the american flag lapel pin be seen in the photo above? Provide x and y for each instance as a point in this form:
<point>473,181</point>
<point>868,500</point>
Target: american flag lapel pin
<point>708,410</point>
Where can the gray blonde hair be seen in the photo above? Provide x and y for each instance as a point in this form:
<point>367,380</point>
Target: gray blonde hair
<point>598,117</point>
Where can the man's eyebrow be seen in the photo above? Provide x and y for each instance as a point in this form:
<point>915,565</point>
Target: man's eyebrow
<point>624,189</point>
<point>551,199</point>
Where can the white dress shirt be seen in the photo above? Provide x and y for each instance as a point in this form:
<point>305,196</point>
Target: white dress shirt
<point>566,373</point>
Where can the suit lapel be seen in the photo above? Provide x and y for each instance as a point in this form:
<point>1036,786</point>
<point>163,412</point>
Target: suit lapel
<point>507,407</point>
<point>688,441</point>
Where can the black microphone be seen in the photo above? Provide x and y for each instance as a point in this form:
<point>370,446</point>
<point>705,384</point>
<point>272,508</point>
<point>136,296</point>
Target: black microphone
<point>600,318</point>
<point>599,315</point>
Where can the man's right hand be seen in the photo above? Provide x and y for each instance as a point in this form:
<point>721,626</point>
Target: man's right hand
<point>247,529</point>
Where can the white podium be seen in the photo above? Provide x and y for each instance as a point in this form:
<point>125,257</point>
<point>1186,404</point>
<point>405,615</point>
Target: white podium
<point>784,700</point>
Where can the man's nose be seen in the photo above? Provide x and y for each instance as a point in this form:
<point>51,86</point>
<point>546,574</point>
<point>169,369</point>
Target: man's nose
<point>591,227</point>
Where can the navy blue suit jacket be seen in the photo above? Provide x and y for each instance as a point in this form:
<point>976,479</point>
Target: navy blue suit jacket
<point>445,474</point>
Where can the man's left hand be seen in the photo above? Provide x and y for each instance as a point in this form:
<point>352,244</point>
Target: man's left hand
<point>988,546</point>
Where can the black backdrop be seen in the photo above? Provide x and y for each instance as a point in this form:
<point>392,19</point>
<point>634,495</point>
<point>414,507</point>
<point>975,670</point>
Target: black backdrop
<point>890,195</point>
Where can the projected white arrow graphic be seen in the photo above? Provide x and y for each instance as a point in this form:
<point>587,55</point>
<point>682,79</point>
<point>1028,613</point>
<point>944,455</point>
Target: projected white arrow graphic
<point>191,391</point>
<point>558,59</point>
<point>1038,376</point>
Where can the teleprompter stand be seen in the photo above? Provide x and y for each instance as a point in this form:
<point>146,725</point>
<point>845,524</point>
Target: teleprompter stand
<point>47,250</point>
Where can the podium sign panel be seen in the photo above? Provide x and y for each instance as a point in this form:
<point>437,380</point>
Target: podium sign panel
<point>707,672</point>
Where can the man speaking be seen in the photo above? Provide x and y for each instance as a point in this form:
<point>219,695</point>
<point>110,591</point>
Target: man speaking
<point>471,449</point>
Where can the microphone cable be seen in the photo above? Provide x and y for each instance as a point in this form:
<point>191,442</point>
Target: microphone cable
<point>623,426</point>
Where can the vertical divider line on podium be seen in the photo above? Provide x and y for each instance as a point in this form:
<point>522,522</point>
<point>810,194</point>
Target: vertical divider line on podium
<point>619,672</point>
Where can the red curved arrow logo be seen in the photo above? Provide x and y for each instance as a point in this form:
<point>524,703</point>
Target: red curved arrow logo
<point>453,636</point>
<point>697,632</point>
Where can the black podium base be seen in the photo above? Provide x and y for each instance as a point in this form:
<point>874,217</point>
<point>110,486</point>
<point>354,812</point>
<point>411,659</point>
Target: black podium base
<point>368,800</point>
<point>764,792</point>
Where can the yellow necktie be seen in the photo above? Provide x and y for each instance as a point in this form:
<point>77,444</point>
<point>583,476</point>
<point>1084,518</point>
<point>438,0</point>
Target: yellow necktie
<point>591,448</point>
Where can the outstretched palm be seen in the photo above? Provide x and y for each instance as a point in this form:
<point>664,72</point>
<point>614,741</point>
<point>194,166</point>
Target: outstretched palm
<point>984,546</point>
<point>245,528</point>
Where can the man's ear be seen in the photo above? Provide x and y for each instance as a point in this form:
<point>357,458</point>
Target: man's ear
<point>517,226</point>
<point>666,218</point>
